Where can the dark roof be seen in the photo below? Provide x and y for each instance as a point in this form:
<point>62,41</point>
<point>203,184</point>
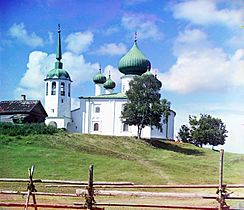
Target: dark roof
<point>20,106</point>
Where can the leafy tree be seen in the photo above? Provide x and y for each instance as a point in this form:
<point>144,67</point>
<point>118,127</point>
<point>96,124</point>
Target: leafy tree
<point>166,113</point>
<point>144,107</point>
<point>184,134</point>
<point>207,130</point>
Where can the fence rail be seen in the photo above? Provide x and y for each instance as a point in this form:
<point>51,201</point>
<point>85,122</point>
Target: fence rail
<point>93,189</point>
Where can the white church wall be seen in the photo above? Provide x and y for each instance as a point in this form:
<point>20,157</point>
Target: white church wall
<point>76,121</point>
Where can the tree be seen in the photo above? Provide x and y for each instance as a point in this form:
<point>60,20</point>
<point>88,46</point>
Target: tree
<point>166,113</point>
<point>207,130</point>
<point>144,107</point>
<point>184,134</point>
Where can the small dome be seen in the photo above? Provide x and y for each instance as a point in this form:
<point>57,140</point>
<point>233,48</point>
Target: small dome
<point>109,84</point>
<point>58,72</point>
<point>148,72</point>
<point>99,78</point>
<point>134,62</point>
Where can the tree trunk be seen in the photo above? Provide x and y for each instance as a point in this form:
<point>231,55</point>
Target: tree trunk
<point>167,129</point>
<point>139,131</point>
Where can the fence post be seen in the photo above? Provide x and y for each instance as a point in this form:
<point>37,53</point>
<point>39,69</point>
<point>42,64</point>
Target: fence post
<point>31,188</point>
<point>90,197</point>
<point>221,190</point>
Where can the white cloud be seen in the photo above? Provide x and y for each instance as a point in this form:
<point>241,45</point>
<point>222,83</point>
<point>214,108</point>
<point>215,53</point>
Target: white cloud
<point>19,32</point>
<point>201,66</point>
<point>112,49</point>
<point>79,42</point>
<point>206,12</point>
<point>40,63</point>
<point>115,74</point>
<point>146,27</point>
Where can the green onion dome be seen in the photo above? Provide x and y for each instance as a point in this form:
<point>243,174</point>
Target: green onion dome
<point>58,72</point>
<point>99,78</point>
<point>148,72</point>
<point>134,62</point>
<point>109,84</point>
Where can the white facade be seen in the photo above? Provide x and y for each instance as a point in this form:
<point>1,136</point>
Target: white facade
<point>101,115</point>
<point>58,102</point>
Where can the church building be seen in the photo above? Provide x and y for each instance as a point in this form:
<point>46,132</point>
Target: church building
<point>101,113</point>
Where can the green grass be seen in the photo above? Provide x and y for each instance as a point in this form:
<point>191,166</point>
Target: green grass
<point>68,156</point>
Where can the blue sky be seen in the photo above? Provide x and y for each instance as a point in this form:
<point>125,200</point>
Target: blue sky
<point>195,46</point>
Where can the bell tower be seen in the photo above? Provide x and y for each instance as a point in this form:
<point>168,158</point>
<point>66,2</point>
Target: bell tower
<point>58,92</point>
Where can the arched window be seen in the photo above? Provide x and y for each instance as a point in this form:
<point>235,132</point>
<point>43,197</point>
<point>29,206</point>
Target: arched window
<point>53,88</point>
<point>97,109</point>
<point>52,123</point>
<point>46,88</point>
<point>96,127</point>
<point>125,127</point>
<point>62,89</point>
<point>69,90</point>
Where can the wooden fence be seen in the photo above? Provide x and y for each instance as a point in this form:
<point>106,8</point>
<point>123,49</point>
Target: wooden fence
<point>90,189</point>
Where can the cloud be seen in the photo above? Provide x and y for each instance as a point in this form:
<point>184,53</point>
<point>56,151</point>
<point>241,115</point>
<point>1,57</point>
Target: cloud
<point>40,63</point>
<point>112,49</point>
<point>145,26</point>
<point>19,32</point>
<point>201,67</point>
<point>206,12</point>
<point>79,42</point>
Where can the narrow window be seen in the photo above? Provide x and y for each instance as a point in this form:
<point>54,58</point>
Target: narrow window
<point>62,100</point>
<point>125,127</point>
<point>97,109</point>
<point>53,88</point>
<point>62,89</point>
<point>96,126</point>
<point>69,90</point>
<point>46,89</point>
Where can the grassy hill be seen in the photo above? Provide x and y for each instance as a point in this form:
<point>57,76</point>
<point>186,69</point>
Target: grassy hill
<point>67,156</point>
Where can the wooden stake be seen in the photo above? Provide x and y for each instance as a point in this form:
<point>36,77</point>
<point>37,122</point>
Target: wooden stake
<point>220,190</point>
<point>90,197</point>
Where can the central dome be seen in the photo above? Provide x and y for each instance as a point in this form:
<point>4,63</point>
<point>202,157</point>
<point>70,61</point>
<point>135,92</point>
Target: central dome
<point>134,62</point>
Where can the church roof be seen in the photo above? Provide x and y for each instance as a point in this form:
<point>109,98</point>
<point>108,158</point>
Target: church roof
<point>58,72</point>
<point>134,61</point>
<point>107,96</point>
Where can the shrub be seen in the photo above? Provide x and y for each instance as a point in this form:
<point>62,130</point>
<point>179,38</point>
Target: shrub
<point>26,129</point>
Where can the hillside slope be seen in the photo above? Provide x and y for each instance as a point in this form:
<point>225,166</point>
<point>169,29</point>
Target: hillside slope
<point>67,156</point>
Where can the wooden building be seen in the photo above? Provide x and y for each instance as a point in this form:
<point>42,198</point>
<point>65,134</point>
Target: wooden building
<point>22,111</point>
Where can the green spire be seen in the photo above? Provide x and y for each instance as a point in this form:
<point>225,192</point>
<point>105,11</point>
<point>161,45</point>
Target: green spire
<point>59,52</point>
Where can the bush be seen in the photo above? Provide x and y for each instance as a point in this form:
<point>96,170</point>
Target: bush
<point>26,129</point>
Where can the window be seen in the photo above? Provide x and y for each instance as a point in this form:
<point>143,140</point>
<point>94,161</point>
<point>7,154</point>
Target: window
<point>69,90</point>
<point>46,89</point>
<point>53,88</point>
<point>62,100</point>
<point>125,127</point>
<point>96,127</point>
<point>62,89</point>
<point>97,109</point>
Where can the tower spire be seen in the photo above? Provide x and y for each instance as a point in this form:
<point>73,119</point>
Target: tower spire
<point>59,52</point>
<point>135,37</point>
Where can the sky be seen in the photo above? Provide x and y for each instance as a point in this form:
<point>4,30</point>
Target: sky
<point>196,47</point>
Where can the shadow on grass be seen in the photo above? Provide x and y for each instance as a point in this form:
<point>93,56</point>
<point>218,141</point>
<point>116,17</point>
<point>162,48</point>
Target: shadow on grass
<point>159,144</point>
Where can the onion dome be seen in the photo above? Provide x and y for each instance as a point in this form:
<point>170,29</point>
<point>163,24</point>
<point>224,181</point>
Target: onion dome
<point>148,72</point>
<point>99,78</point>
<point>109,84</point>
<point>58,71</point>
<point>134,61</point>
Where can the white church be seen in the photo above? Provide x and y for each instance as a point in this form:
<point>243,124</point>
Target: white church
<point>99,114</point>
